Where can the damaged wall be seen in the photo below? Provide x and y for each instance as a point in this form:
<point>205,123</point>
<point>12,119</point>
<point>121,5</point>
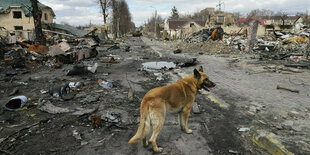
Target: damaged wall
<point>220,19</point>
<point>7,21</point>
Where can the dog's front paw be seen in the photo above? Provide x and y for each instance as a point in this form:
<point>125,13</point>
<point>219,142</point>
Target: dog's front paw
<point>158,149</point>
<point>189,131</point>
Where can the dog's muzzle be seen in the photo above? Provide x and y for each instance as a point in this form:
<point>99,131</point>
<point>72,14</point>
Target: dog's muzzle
<point>208,85</point>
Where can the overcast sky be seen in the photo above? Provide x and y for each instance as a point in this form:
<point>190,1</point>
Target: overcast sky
<point>81,12</point>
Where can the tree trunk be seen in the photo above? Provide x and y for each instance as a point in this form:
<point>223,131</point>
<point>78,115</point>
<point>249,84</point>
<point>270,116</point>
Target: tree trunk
<point>114,18</point>
<point>252,36</point>
<point>103,4</point>
<point>37,15</point>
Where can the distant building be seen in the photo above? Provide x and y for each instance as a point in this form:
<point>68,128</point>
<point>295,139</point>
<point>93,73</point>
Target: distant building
<point>178,28</point>
<point>220,19</point>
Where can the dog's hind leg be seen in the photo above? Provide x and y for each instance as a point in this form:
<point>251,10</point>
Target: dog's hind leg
<point>147,127</point>
<point>157,117</point>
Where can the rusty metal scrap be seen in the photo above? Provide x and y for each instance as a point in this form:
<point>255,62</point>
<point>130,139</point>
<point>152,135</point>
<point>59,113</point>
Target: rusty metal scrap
<point>288,89</point>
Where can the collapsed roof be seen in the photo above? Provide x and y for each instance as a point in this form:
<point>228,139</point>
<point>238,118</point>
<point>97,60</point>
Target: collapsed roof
<point>177,23</point>
<point>25,5</point>
<point>69,29</point>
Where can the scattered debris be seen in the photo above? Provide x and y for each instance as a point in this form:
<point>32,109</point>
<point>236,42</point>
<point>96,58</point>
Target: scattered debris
<point>217,33</point>
<point>159,76</point>
<point>82,70</point>
<point>196,108</point>
<point>137,34</point>
<point>59,90</point>
<point>13,92</point>
<point>244,129</point>
<point>105,84</point>
<point>112,117</point>
<point>82,111</point>
<point>75,85</point>
<point>288,89</point>
<point>111,60</point>
<point>234,152</point>
<point>16,103</point>
<point>177,51</point>
<point>90,99</point>
<point>187,62</point>
<point>158,65</point>
<point>50,108</point>
<point>130,95</point>
<point>76,135</point>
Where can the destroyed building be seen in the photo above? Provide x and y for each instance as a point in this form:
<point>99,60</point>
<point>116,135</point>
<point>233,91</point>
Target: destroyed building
<point>218,18</point>
<point>17,22</point>
<point>16,18</point>
<point>180,28</point>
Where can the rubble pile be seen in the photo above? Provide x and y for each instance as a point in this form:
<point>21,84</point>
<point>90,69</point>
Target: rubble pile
<point>206,34</point>
<point>20,53</point>
<point>200,36</point>
<point>290,44</point>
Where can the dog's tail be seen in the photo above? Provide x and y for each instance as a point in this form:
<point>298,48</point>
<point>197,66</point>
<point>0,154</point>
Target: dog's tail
<point>143,120</point>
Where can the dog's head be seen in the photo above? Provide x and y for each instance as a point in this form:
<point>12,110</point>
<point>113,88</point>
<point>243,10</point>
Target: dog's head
<point>203,80</point>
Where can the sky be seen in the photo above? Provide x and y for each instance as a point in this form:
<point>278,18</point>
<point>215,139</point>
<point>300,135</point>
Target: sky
<point>82,12</point>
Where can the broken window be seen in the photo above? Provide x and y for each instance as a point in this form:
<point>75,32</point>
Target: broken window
<point>45,16</point>
<point>191,24</point>
<point>18,27</point>
<point>17,14</point>
<point>220,19</point>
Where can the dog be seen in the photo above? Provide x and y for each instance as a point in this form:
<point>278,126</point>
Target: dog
<point>177,97</point>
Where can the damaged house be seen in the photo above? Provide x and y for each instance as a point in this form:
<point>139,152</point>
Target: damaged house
<point>218,18</point>
<point>16,18</point>
<point>16,22</point>
<point>181,28</point>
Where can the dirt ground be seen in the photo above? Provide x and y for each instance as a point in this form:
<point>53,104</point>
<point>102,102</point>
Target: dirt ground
<point>245,97</point>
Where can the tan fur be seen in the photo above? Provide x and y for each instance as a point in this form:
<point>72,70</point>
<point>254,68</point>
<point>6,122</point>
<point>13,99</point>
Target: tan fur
<point>177,97</point>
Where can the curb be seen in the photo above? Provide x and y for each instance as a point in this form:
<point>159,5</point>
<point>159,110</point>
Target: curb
<point>217,101</point>
<point>267,141</point>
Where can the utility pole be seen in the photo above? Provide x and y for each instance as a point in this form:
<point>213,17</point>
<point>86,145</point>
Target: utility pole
<point>220,5</point>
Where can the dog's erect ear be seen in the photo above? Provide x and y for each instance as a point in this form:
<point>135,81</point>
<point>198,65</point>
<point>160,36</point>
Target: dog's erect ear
<point>200,69</point>
<point>196,74</point>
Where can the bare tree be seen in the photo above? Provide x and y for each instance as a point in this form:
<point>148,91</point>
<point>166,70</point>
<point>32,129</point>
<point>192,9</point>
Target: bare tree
<point>105,5</point>
<point>199,14</point>
<point>151,22</point>
<point>257,13</point>
<point>115,17</point>
<point>267,13</point>
<point>236,15</point>
<point>125,18</point>
<point>282,16</point>
<point>121,18</point>
<point>37,15</point>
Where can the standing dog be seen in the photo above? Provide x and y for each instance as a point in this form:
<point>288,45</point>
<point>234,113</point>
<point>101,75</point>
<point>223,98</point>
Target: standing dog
<point>177,97</point>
